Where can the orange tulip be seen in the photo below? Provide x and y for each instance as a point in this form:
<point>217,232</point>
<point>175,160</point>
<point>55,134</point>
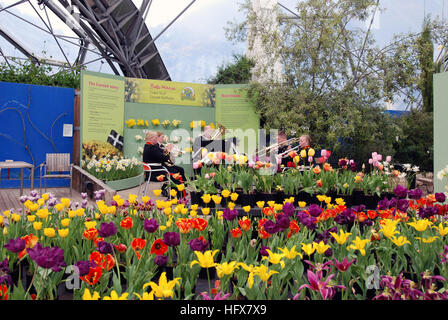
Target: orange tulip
<point>126,223</point>
<point>316,170</point>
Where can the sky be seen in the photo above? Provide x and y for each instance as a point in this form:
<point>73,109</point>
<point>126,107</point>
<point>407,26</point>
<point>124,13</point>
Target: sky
<point>195,45</point>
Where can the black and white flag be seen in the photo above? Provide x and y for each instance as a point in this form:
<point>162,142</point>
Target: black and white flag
<point>116,140</point>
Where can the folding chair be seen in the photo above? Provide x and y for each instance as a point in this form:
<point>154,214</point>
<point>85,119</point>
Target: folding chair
<point>56,165</point>
<point>147,168</point>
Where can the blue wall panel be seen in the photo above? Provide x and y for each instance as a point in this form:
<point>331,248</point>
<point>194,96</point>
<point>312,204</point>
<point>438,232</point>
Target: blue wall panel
<point>31,125</point>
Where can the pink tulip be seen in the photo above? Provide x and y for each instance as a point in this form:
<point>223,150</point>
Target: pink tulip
<point>323,153</point>
<point>379,157</point>
<point>207,176</point>
<point>195,166</point>
<point>370,161</point>
<point>389,159</point>
<point>310,159</point>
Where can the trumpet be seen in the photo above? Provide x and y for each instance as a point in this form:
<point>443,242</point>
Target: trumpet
<point>277,145</point>
<point>218,132</point>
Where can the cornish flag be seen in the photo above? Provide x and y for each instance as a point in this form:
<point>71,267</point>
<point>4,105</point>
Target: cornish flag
<point>116,140</point>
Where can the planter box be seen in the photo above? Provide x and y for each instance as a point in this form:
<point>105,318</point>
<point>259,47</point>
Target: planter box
<point>125,183</point>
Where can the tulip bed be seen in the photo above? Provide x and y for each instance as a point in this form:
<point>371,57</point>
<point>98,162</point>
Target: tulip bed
<point>138,248</point>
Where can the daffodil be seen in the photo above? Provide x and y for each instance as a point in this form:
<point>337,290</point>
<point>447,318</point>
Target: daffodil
<point>275,258</point>
<point>321,247</point>
<point>359,244</point>
<point>88,296</point>
<point>420,225</point>
<point>308,248</point>
<point>342,237</point>
<point>114,296</point>
<point>164,289</point>
<point>427,240</point>
<point>226,268</point>
<point>290,253</point>
<point>400,241</point>
<point>205,260</point>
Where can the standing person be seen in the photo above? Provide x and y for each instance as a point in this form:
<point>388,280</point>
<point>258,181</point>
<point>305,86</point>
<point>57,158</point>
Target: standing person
<point>285,160</point>
<point>306,152</point>
<point>153,153</point>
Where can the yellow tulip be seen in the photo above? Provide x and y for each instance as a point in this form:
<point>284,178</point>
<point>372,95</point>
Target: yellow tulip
<point>206,198</point>
<point>271,204</point>
<point>308,248</point>
<point>278,207</point>
<point>420,225</point>
<point>359,244</point>
<point>43,213</point>
<point>80,212</point>
<point>114,296</point>
<point>388,228</point>
<point>167,210</point>
<point>225,193</point>
<point>231,205</point>
<point>234,196</point>
<point>65,222</point>
<point>45,196</point>
<point>400,241</point>
<point>226,268</point>
<point>88,296</point>
<point>311,152</point>
<point>275,258</point>
<point>63,232</point>
<point>205,260</point>
<point>49,232</point>
<point>321,247</point>
<point>264,273</point>
<point>37,226</point>
<point>216,199</point>
<point>146,295</point>
<point>321,198</point>
<point>246,209</point>
<point>30,218</point>
<point>157,192</point>
<point>193,213</point>
<point>302,204</point>
<point>260,204</point>
<point>342,237</point>
<point>427,240</point>
<point>15,217</point>
<point>219,214</point>
<point>145,199</point>
<point>72,214</point>
<point>290,254</point>
<point>205,211</point>
<point>339,201</point>
<point>443,231</point>
<point>303,153</point>
<point>180,187</point>
<point>65,202</point>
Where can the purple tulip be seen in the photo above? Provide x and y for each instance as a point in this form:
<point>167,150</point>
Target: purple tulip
<point>5,277</point>
<point>198,244</point>
<point>403,205</point>
<point>160,260</point>
<point>440,197</point>
<point>105,247</point>
<point>229,215</point>
<point>47,257</point>
<point>83,195</point>
<point>282,222</point>
<point>107,229</point>
<point>172,239</point>
<point>264,252</point>
<point>314,210</point>
<point>84,267</point>
<point>401,191</point>
<point>218,296</point>
<point>415,194</point>
<point>15,246</point>
<point>288,209</point>
<point>150,225</point>
<point>271,227</point>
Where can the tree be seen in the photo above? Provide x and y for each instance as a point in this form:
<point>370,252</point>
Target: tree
<point>337,79</point>
<point>236,72</point>
<point>426,59</point>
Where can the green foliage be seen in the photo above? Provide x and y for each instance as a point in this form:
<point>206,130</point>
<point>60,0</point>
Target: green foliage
<point>43,74</point>
<point>236,72</point>
<point>426,59</point>
<point>416,143</point>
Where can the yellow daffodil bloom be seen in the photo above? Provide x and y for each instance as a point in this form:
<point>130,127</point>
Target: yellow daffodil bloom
<point>225,193</point>
<point>146,295</point>
<point>342,237</point>
<point>321,247</point>
<point>443,231</point>
<point>359,244</point>
<point>388,228</point>
<point>260,204</point>
<point>114,296</point>
<point>275,258</point>
<point>290,254</point>
<point>400,241</point>
<point>427,240</point>
<point>164,289</point>
<point>205,260</point>
<point>226,268</point>
<point>88,296</point>
<point>308,248</point>
<point>420,225</point>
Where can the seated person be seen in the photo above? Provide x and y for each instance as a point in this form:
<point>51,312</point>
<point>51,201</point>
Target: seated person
<point>153,153</point>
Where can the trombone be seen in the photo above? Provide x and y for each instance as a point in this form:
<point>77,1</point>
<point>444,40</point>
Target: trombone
<point>277,145</point>
<point>218,132</point>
